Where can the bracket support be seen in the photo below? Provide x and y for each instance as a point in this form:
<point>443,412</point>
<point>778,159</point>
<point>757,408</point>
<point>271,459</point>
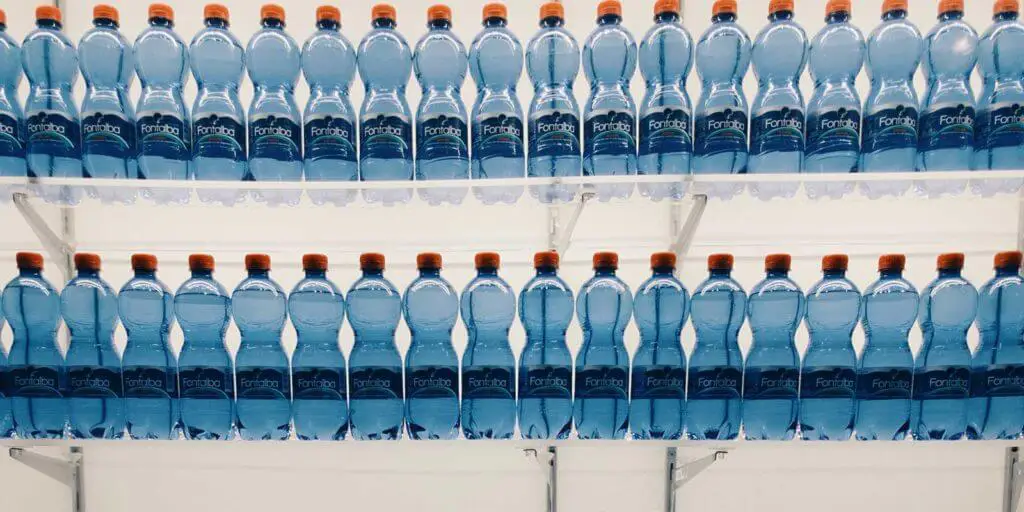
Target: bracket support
<point>68,470</point>
<point>1014,480</point>
<point>560,229</point>
<point>548,462</point>
<point>678,475</point>
<point>59,243</point>
<point>683,231</point>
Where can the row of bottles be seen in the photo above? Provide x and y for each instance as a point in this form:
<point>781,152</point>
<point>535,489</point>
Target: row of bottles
<point>945,393</point>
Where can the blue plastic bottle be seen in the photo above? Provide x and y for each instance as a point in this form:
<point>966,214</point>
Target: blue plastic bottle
<point>942,368</point>
<point>264,379</point>
<point>713,390</point>
<point>997,370</point>
<point>442,133</point>
<point>36,376</point>
<point>545,365</point>
<point>205,370</point>
<point>431,307</point>
<point>319,384</point>
<point>885,369</point>
<point>6,418</point>
<point>496,61</point>
<point>12,118</point>
<point>657,404</point>
<point>146,308</point>
<point>553,62</point>
<point>828,378</point>
<point>375,367</point>
<point>385,122</point>
<point>53,146</point>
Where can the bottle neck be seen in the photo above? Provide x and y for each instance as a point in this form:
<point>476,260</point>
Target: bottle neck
<point>724,17</point>
<point>272,23</point>
<point>780,16</point>
<point>834,274</point>
<point>145,274</point>
<point>440,24</point>
<point>552,22</point>
<point>609,19</point>
<point>105,22</point>
<point>89,274</point>
<point>430,272</point>
<point>720,273</point>
<point>378,274</point>
<point>947,273</point>
<point>53,24</point>
<point>384,23</point>
<point>29,272</point>
<point>666,17</point>
<point>895,14</point>
<point>328,25</point>
<point>662,272</point>
<point>777,274</point>
<point>951,15</point>
<point>259,274</point>
<point>547,272</point>
<point>495,21</point>
<point>1006,16</point>
<point>1007,272</point>
<point>487,272</point>
<point>891,274</point>
<point>838,17</point>
<point>202,274</point>
<point>604,272</point>
<point>316,274</point>
<point>161,22</point>
<point>217,23</point>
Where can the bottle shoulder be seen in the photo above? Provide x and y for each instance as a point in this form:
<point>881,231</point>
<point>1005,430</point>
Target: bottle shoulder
<point>259,284</point>
<point>145,285</point>
<point>726,30</point>
<point>161,36</point>
<point>317,286</point>
<point>365,285</point>
<point>832,286</point>
<point>201,286</point>
<point>888,287</point>
<point>718,285</point>
<point>546,283</point>
<point>383,37</point>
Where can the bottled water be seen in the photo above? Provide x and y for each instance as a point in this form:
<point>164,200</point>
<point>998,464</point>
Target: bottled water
<point>442,134</point>
<point>553,61</point>
<point>12,118</point>
<point>658,397</point>
<point>205,369</point>
<point>385,142</point>
<point>329,135</point>
<point>320,408</point>
<point>36,375</point>
<point>942,369</point>
<point>146,307</point>
<point>264,392</point>
<point>496,61</point>
<point>488,306</point>
<point>375,367</point>
<point>6,419</point>
<point>717,309</point>
<point>666,131</point>
<point>828,382</point>
<point>545,365</point>
<point>431,307</point>
<point>997,370</point>
<point>885,369</point>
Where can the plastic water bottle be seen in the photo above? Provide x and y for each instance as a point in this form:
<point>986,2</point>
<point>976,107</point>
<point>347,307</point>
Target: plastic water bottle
<point>6,418</point>
<point>942,369</point>
<point>431,307</point>
<point>658,397</point>
<point>496,61</point>
<point>553,62</point>
<point>54,143</point>
<point>997,370</point>
<point>488,306</point>
<point>545,365</point>
<point>264,393</point>
<point>146,308</point>
<point>385,122</point>
<point>36,374</point>
<point>828,380</point>
<point>329,135</point>
<point>885,369</point>
<point>317,308</point>
<point>375,367</point>
<point>442,133</point>
<point>205,369</point>
<point>713,391</point>
<point>12,118</point>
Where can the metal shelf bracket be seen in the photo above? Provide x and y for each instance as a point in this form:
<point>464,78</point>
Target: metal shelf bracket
<point>68,470</point>
<point>678,475</point>
<point>561,225</point>
<point>1014,480</point>
<point>60,242</point>
<point>682,230</point>
<point>547,460</point>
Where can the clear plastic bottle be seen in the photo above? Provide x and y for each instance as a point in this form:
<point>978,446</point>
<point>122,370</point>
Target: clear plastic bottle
<point>6,418</point>
<point>12,118</point>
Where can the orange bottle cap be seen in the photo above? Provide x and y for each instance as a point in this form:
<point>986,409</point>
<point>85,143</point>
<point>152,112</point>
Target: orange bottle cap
<point>666,6</point>
<point>272,11</point>
<point>144,262</point>
<point>1004,6</point>
<point>161,11</point>
<point>609,7</point>
<point>386,11</point>
<point>835,263</point>
<point>780,6</point>
<point>720,262</point>
<point>837,6</point>
<point>894,5</point>
<point>48,12</point>
<point>663,261</point>
<point>950,261</point>
<point>104,11</point>
<point>1010,259</point>
<point>87,261</point>
<point>29,260</point>
<point>257,262</point>
<point>439,12</point>
<point>546,259</point>
<point>487,260</point>
<point>724,7</point>
<point>314,262</point>
<point>328,13</point>
<point>951,6</point>
<point>778,262</point>
<point>371,261</point>
<point>892,263</point>
<point>217,11</point>
<point>200,262</point>
<point>3,17</point>
<point>606,260</point>
<point>552,10</point>
<point>495,10</point>
<point>428,261</point>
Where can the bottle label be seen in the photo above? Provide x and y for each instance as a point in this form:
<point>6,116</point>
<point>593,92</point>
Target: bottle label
<point>659,382</point>
<point>60,132</point>
<point>720,131</point>
<point>163,134</point>
<point>602,382</point>
<point>35,381</point>
<point>890,128</point>
<point>609,132</point>
<point>376,383</point>
<point>275,137</point>
<point>442,136</point>
<point>497,136</point>
<point>947,127</point>
<point>545,381</point>
<point>832,131</point>
<point>94,382</point>
<point>319,384</point>
<point>1001,380</point>
<point>108,134</point>
<point>768,383</point>
<point>828,382</point>
<point>481,382</point>
<point>884,383</point>
<point>11,138</point>
<point>432,382</point>
<point>329,137</point>
<point>1002,126</point>
<point>779,130</point>
<point>942,382</point>
<point>150,382</point>
<point>665,130</point>
<point>721,383</point>
<point>208,383</point>
<point>263,384</point>
<point>386,136</point>
<point>554,133</point>
<point>220,136</point>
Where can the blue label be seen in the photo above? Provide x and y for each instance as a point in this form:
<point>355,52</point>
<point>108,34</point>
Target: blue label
<point>949,127</point>
<point>609,132</point>
<point>329,137</point>
<point>779,130</point>
<point>891,128</point>
<point>720,132</point>
<point>94,382</point>
<point>219,136</point>
<point>554,133</point>
<point>35,381</point>
<point>59,133</point>
<point>665,130</point>
<point>482,382</point>
<point>942,382</point>
<point>163,134</point>
<point>602,382</point>
<point>770,382</point>
<point>657,382</point>
<point>1000,380</point>
<point>108,134</point>
<point>5,382</point>
<point>833,131</point>
<point>11,138</point>
<point>263,384</point>
<point>828,382</point>
<point>545,381</point>
<point>208,383</point>
<point>386,136</point>
<point>1002,126</point>
<point>150,382</point>
<point>498,136</point>
<point>720,383</point>
<point>884,383</point>
<point>432,382</point>
<point>442,136</point>
<point>376,383</point>
<point>275,138</point>
<point>319,384</point>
